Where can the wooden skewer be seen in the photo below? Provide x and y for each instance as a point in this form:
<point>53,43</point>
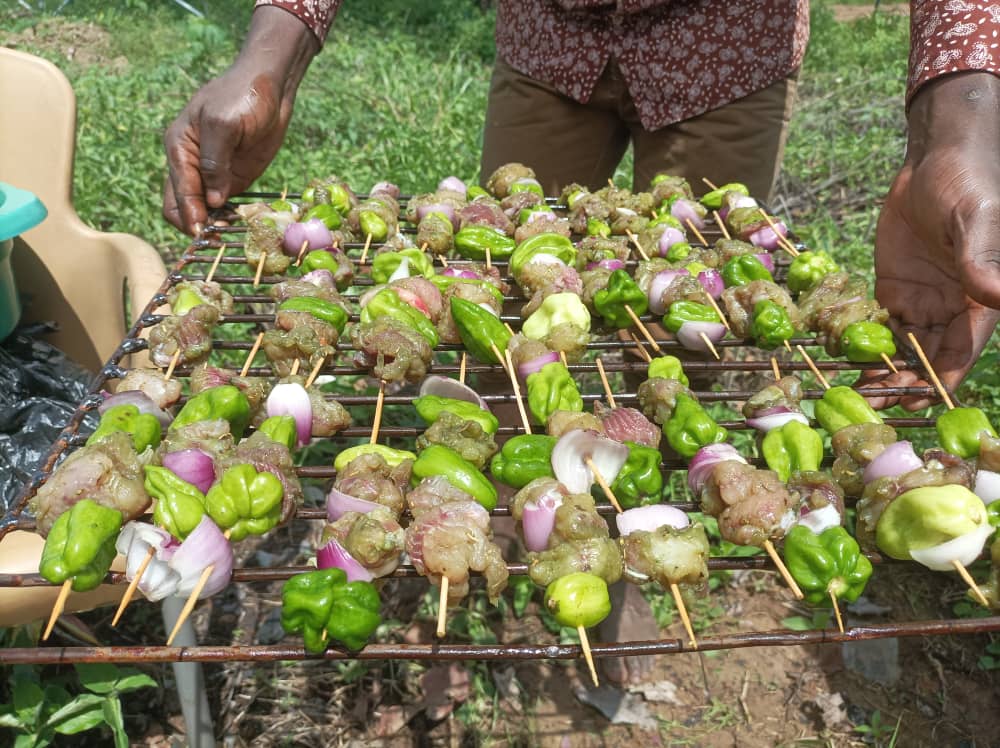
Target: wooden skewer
<point>130,590</point>
<point>364,252</point>
<point>442,608</point>
<point>604,381</point>
<point>640,347</point>
<point>710,185</point>
<point>785,244</point>
<point>444,261</point>
<point>509,328</point>
<point>635,242</point>
<point>611,184</point>
<point>461,368</point>
<point>585,645</point>
<point>500,357</point>
<point>295,368</point>
<point>58,607</point>
<point>517,393</point>
<point>284,192</point>
<point>260,269</point>
<point>715,305</point>
<point>782,569</point>
<point>377,421</point>
<point>301,253</point>
<point>813,367</point>
<point>253,352</point>
<point>193,597</point>
<point>173,365</point>
<point>788,346</point>
<point>215,264</point>
<point>603,484</point>
<point>836,611</point>
<point>930,370</point>
<point>694,230</point>
<point>888,362</point>
<point>774,368</point>
<point>682,609</point>
<point>710,345</point>
<point>489,259</point>
<point>964,573</point>
<point>315,372</point>
<point>562,358</point>
<point>721,224</point>
<point>642,328</point>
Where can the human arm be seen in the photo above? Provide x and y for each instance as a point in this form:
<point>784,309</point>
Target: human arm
<point>233,126</point>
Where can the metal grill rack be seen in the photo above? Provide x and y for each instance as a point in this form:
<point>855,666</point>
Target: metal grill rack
<point>194,264</point>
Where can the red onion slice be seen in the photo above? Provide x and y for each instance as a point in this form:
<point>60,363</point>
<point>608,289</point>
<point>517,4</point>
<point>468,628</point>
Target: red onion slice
<point>193,465</point>
<point>313,233</point>
<point>660,283</point>
<point>570,459</point>
<point>291,399</point>
<point>820,519</point>
<point>444,208</point>
<point>895,460</point>
<point>767,260</point>
<point>711,281</point>
<point>705,460</point>
<point>454,184</point>
<point>537,215</point>
<point>669,238</point>
<point>651,518</point>
<point>965,549</point>
<point>690,334</point>
<point>139,399</point>
<point>775,419</point>
<point>334,556</point>
<point>684,211</point>
<point>545,259</point>
<point>987,486</point>
<point>454,272</point>
<point>339,503</point>
<point>611,264</point>
<point>205,546</point>
<point>385,188</point>
<point>448,387</point>
<point>767,238</point>
<point>537,520</point>
<point>159,580</point>
<point>535,364</point>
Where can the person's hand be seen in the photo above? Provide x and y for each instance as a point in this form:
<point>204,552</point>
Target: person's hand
<point>233,126</point>
<point>937,247</point>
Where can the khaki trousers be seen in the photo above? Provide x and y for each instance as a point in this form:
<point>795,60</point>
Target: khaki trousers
<point>565,141</point>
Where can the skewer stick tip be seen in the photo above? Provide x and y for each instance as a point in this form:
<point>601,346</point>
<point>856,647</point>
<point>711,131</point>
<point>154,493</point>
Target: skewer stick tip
<point>489,259</point>
<point>639,347</point>
<point>260,269</point>
<point>58,607</point>
<point>836,611</point>
<point>775,368</point>
<point>173,365</point>
<point>890,364</point>
<point>697,234</point>
<point>930,370</point>
<point>587,655</point>
<point>604,382</point>
<point>812,366</point>
<point>682,610</point>
<point>191,602</point>
<point>710,345</point>
<point>377,420</point>
<point>967,578</point>
<point>130,591</point>
<point>461,368</point>
<point>250,356</point>
<point>442,609</point>
<point>642,328</point>
<point>783,570</point>
<point>603,484</point>
<point>721,224</point>
<point>511,372</point>
<point>315,372</point>
<point>364,252</point>
<point>302,253</point>
<point>711,186</point>
<point>215,263</point>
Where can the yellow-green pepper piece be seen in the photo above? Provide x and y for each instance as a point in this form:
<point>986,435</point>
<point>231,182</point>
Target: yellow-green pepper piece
<point>179,505</point>
<point>144,428</point>
<point>959,430</point>
<point>551,389</point>
<point>791,448</point>
<point>578,599</point>
<point>621,292</point>
<point>245,501</point>
<point>392,457</point>
<point>81,545</point>
<point>828,565</point>
<point>325,607</point>
<point>225,401</point>
<point>430,407</point>
<point>691,427</point>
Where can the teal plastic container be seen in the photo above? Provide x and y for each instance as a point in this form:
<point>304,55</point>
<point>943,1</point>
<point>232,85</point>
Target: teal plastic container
<point>20,210</point>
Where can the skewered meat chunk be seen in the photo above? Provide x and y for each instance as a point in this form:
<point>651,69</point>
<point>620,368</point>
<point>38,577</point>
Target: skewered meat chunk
<point>369,477</point>
<point>596,248</point>
<point>646,270</point>
<point>593,281</point>
<point>451,539</point>
<point>751,505</point>
<point>375,540</point>
<point>290,320</point>
<point>989,452</point>
<point>620,197</point>
<point>628,425</point>
<point>211,437</point>
<point>738,303</point>
<point>190,333</point>
<point>543,280</point>
<point>727,249</point>
<point>322,187</point>
<point>515,202</point>
<point>667,556</point>
<point>265,236</point>
<point>543,225</point>
<point>853,448</point>
<point>441,197</point>
<point>426,291</point>
<point>108,472</point>
<point>624,222</point>
<point>816,489</point>
<point>785,393</point>
<point>296,287</point>
<point>152,383</point>
<point>344,275</point>
<point>522,349</point>
<point>562,421</point>
<point>601,557</point>
<point>205,377</point>
<point>393,351</point>
<point>683,288</point>
<point>282,348</point>
<point>587,207</point>
<point>831,322</point>
<point>569,339</point>
<point>382,205</point>
<point>503,178</point>
<point>436,233</point>
<point>432,493</point>
<point>833,290</point>
<point>658,397</point>
<point>464,436</point>
<point>267,455</point>
<point>484,211</point>
<point>670,186</point>
<point>210,292</point>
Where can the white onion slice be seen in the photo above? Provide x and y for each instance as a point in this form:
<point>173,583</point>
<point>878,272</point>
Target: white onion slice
<point>820,519</point>
<point>569,459</point>
<point>334,556</point>
<point>660,283</point>
<point>321,278</point>
<point>454,184</point>
<point>669,238</point>
<point>895,460</point>
<point>771,421</point>
<point>435,384</point>
<point>651,518</point>
<point>987,486</point>
<point>159,580</point>
<point>291,399</point>
<point>402,270</point>
<point>545,259</point>
<point>625,212</point>
<point>444,208</point>
<point>205,546</point>
<point>537,215</point>
<point>690,334</point>
<point>684,212</point>
<point>537,520</point>
<point>705,460</point>
<point>339,503</point>
<point>965,549</point>
<point>369,294</point>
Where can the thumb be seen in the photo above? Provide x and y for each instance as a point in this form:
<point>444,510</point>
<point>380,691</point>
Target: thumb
<point>218,142</point>
<point>978,254</point>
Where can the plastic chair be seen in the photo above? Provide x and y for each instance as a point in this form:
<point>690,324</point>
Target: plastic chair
<point>78,277</point>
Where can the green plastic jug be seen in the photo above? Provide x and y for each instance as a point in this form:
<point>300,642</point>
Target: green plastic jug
<point>20,210</point>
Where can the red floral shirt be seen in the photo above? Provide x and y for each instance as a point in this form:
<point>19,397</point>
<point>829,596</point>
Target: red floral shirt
<point>684,57</point>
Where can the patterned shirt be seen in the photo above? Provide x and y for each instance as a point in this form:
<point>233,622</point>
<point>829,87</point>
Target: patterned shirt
<point>681,58</point>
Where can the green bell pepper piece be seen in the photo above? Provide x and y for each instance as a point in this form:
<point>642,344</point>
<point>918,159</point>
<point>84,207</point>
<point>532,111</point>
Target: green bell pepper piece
<point>742,269</point>
<point>81,545</point>
<point>144,428</point>
<point>326,213</point>
<point>771,325</point>
<point>640,481</point>
<point>225,401</point>
<point>325,607</point>
<point>245,501</point>
<point>664,218</point>
<point>373,225</point>
<point>865,342</point>
<point>667,367</point>
<point>713,200</point>
<point>578,599</point>
<point>387,263</point>
<point>522,459</point>
<point>430,407</point>
<point>319,259</point>
<point>328,192</point>
<point>808,269</point>
<point>474,191</point>
<point>598,227</point>
<point>841,406</point>
<point>179,505</point>
<point>556,309</point>
<point>688,311</point>
<point>281,429</point>
<point>792,448</point>
<point>186,300</point>
<point>542,244</point>
<point>480,330</point>
<point>459,472</point>
<point>321,309</point>
<point>690,427</point>
<point>386,303</point>
<point>959,430</point>
<point>471,242</point>
<point>826,565</point>
<point>392,457</point>
<point>526,185</point>
<point>678,252</point>
<point>928,516</point>
<point>552,389</point>
<point>620,292</point>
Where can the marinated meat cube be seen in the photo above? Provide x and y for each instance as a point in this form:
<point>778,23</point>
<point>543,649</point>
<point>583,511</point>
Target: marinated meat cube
<point>667,556</point>
<point>189,333</point>
<point>393,351</point>
<point>751,505</point>
<point>375,540</point>
<point>152,383</point>
<point>464,436</point>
